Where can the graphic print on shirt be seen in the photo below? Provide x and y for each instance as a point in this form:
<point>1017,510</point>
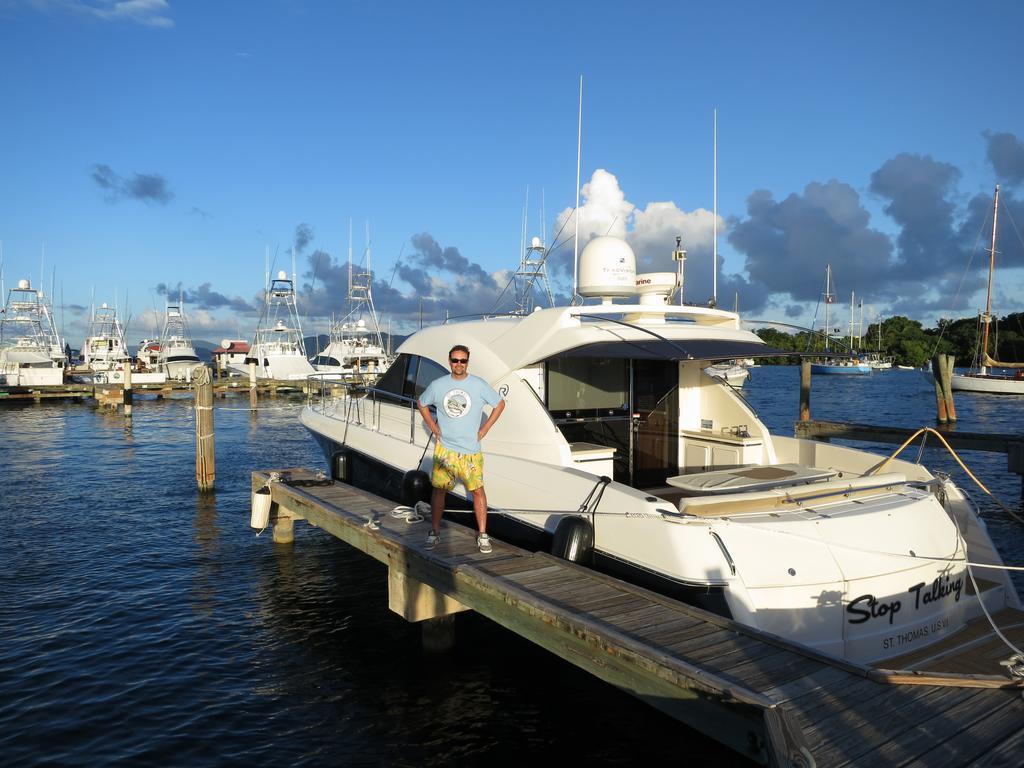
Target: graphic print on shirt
<point>457,403</point>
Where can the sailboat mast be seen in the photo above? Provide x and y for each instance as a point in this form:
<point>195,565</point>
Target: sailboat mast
<point>991,269</point>
<point>828,300</point>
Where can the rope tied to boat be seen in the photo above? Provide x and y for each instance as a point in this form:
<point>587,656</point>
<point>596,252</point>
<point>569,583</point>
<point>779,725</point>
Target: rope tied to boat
<point>931,431</point>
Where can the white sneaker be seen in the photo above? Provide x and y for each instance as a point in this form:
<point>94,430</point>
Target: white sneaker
<point>433,539</point>
<point>483,543</point>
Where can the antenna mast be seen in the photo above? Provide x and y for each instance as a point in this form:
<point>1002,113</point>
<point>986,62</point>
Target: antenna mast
<point>576,237</point>
<point>714,264</point>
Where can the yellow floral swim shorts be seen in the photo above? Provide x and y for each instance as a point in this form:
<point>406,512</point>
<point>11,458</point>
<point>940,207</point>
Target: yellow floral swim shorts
<point>451,467</point>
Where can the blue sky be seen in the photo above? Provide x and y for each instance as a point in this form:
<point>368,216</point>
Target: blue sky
<point>150,144</point>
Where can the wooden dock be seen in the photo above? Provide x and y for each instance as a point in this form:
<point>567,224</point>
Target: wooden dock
<point>775,702</point>
<point>113,394</point>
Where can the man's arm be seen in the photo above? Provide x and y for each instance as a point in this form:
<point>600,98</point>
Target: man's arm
<point>495,413</point>
<point>428,420</point>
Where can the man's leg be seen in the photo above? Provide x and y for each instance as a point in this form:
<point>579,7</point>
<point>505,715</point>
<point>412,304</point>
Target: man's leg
<point>480,508</point>
<point>436,509</point>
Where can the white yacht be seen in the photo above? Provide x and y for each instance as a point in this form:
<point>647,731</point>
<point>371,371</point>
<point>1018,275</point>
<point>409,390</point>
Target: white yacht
<point>617,450</point>
<point>177,357</point>
<point>104,348</point>
<point>355,350</point>
<point>31,352</point>
<point>278,348</point>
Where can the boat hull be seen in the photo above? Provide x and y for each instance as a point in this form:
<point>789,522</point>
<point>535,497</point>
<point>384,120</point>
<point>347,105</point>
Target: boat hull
<point>835,370</point>
<point>997,385</point>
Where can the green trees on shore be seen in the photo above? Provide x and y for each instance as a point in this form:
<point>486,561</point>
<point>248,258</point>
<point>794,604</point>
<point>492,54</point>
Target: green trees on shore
<point>912,344</point>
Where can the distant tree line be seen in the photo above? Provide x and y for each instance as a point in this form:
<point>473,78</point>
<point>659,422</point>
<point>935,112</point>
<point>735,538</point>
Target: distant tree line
<point>910,343</point>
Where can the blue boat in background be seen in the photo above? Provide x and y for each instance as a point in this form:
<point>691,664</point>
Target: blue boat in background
<point>832,364</point>
<point>839,366</point>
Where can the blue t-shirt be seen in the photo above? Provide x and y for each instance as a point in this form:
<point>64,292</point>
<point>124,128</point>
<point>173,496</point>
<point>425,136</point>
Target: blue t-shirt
<point>459,406</point>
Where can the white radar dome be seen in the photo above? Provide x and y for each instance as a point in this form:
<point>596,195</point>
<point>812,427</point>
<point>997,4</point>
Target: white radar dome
<point>282,275</point>
<point>23,285</point>
<point>225,343</point>
<point>655,287</point>
<point>607,268</point>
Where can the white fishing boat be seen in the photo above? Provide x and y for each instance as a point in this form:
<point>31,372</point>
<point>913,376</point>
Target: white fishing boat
<point>355,350</point>
<point>31,353</point>
<point>104,348</point>
<point>278,348</point>
<point>176,356</point>
<point>618,451</point>
<point>987,375</point>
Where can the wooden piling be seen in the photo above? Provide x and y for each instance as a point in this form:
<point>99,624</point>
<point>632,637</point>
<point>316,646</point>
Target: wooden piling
<point>252,385</point>
<point>205,463</point>
<point>947,388</point>
<point>126,391</point>
<point>938,372</point>
<point>805,390</point>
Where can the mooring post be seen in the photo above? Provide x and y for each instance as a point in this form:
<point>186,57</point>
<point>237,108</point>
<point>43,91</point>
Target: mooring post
<point>126,391</point>
<point>805,390</point>
<point>947,387</point>
<point>938,371</point>
<point>205,464</point>
<point>252,385</point>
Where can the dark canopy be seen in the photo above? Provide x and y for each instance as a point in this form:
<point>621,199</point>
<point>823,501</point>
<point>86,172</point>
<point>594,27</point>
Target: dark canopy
<point>696,349</point>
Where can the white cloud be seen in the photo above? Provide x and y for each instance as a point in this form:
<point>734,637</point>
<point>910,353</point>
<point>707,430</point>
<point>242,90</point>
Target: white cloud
<point>651,231</point>
<point>148,13</point>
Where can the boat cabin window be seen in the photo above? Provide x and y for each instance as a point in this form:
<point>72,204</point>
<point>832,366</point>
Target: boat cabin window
<point>393,380</point>
<point>325,360</point>
<point>587,387</point>
<point>426,372</point>
<point>408,376</point>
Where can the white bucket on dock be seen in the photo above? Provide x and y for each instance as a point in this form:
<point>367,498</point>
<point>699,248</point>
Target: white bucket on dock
<point>260,508</point>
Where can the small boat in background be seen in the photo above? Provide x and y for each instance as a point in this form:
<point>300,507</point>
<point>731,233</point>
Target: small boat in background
<point>981,378</point>
<point>176,355</point>
<point>355,351</point>
<point>31,352</point>
<point>104,348</point>
<point>278,348</point>
<point>832,364</point>
<point>733,374</point>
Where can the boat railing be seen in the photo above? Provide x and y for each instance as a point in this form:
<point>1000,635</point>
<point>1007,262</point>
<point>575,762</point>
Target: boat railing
<point>346,398</point>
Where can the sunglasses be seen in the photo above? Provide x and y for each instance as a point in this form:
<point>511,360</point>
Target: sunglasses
<point>458,360</point>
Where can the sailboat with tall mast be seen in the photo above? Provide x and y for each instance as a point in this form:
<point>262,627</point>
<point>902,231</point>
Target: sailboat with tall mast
<point>832,364</point>
<point>980,378</point>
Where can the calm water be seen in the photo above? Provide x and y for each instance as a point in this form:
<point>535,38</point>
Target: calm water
<point>144,624</point>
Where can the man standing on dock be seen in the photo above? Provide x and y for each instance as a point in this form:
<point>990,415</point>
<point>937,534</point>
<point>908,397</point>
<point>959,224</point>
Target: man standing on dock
<point>459,399</point>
